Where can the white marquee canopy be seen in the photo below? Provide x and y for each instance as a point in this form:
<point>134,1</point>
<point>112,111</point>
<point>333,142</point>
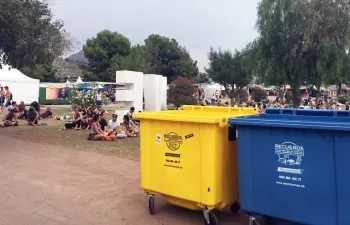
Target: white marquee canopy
<point>22,87</point>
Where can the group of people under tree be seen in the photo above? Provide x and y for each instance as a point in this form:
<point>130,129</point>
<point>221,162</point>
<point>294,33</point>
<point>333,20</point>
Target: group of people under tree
<point>93,120</point>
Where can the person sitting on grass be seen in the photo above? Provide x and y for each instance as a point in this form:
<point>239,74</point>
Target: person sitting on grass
<point>131,116</point>
<point>36,106</point>
<point>88,120</point>
<point>77,118</point>
<point>21,109</point>
<point>103,123</point>
<point>33,117</point>
<point>113,124</point>
<point>47,114</point>
<point>129,127</point>
<point>64,118</point>
<point>95,133</point>
<point>8,119</point>
<point>12,106</point>
<point>114,129</point>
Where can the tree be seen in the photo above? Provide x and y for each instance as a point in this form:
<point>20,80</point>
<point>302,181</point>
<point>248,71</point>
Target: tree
<point>229,70</point>
<point>29,35</point>
<point>169,59</point>
<point>258,94</point>
<point>295,39</point>
<point>202,78</point>
<point>45,73</point>
<point>137,60</point>
<point>67,69</point>
<point>181,92</point>
<point>100,51</point>
<point>340,72</point>
<point>281,25</point>
<point>327,56</point>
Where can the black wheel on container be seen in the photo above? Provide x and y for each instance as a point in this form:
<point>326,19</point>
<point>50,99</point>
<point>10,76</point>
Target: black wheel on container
<point>151,204</point>
<point>213,220</point>
<point>235,208</point>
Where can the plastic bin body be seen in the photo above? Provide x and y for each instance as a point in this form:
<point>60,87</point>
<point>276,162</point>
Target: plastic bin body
<point>187,157</point>
<point>292,164</point>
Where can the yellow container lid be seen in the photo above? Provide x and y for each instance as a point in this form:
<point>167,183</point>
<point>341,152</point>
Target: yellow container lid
<point>198,114</point>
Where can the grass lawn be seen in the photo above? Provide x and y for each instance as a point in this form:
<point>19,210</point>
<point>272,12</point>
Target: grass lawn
<point>53,134</point>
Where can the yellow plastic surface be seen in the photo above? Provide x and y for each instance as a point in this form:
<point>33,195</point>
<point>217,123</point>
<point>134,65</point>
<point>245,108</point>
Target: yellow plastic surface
<point>186,156</point>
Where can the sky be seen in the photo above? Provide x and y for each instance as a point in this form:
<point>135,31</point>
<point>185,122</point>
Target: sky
<point>195,24</point>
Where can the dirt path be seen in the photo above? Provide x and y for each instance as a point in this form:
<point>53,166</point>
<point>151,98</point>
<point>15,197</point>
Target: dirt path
<point>41,184</point>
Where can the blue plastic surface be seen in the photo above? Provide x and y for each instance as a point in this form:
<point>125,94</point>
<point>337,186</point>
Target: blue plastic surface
<point>293,165</point>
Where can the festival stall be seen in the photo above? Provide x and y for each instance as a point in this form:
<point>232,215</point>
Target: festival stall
<point>61,93</point>
<point>54,94</point>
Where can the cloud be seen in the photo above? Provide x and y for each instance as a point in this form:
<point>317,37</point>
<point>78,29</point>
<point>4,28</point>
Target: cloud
<point>195,24</point>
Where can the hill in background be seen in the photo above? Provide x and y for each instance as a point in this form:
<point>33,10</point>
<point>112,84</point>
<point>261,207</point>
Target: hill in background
<point>78,57</point>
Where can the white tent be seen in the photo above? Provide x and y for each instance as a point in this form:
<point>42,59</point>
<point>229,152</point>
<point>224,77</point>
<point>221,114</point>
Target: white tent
<point>23,88</point>
<point>79,80</point>
<point>67,82</point>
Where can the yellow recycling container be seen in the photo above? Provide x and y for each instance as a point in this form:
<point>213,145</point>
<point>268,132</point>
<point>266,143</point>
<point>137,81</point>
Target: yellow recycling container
<point>189,156</point>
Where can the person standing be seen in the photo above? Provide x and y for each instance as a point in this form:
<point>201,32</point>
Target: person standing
<point>98,99</point>
<point>112,96</point>
<point>2,96</point>
<point>5,101</point>
<point>8,96</point>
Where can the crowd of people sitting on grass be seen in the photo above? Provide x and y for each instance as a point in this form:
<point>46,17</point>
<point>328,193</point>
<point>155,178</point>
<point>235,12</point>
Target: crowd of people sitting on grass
<point>14,112</point>
<point>89,119</point>
<point>93,120</point>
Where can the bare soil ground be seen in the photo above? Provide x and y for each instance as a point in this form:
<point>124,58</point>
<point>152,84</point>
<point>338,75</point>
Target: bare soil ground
<point>51,176</point>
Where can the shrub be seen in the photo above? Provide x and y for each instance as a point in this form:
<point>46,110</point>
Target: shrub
<point>258,94</point>
<point>86,99</point>
<point>343,99</point>
<point>181,92</point>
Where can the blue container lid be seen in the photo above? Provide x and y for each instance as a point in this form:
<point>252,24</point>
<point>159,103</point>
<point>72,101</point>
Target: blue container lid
<point>298,118</point>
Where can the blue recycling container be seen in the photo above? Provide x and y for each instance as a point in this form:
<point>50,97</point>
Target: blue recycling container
<point>293,165</point>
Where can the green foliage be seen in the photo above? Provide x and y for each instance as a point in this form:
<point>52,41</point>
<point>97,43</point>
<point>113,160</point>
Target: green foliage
<point>301,42</point>
<point>229,69</point>
<point>85,99</point>
<point>137,60</point>
<point>46,73</point>
<point>29,35</point>
<point>258,94</point>
<point>344,99</point>
<point>181,92</point>
<point>169,59</point>
<point>202,78</point>
<point>100,51</point>
<point>111,51</point>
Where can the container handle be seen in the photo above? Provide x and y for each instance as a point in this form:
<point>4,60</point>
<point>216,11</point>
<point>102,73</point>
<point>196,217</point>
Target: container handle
<point>223,122</point>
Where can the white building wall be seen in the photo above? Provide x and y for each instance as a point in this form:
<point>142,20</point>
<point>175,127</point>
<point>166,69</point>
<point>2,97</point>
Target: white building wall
<point>151,86</point>
<point>132,96</point>
<point>164,92</point>
<point>138,85</point>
